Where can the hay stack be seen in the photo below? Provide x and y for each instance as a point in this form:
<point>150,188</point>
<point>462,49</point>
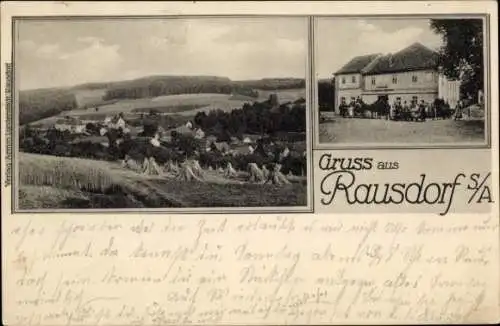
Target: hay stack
<point>230,172</point>
<point>171,167</point>
<point>276,177</point>
<point>150,167</point>
<point>196,168</point>
<point>266,172</point>
<point>255,174</point>
<point>186,173</point>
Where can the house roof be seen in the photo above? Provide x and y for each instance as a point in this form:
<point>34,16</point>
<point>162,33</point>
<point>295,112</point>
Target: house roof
<point>116,119</point>
<point>413,57</point>
<point>357,64</point>
<point>183,129</point>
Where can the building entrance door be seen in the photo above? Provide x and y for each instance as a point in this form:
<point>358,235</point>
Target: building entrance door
<point>383,106</point>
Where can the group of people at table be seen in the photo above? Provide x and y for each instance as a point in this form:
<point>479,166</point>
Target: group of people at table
<point>398,110</point>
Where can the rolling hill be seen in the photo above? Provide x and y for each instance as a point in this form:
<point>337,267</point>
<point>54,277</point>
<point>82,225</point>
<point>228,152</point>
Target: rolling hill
<point>35,105</point>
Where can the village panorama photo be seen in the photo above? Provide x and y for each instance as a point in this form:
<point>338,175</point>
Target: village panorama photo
<point>161,113</point>
<point>401,80</point>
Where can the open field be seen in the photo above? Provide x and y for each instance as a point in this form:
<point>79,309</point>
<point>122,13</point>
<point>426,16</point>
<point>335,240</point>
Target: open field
<point>185,104</point>
<point>182,104</point>
<point>362,131</point>
<point>89,97</point>
<point>38,104</point>
<point>56,182</point>
<point>129,105</point>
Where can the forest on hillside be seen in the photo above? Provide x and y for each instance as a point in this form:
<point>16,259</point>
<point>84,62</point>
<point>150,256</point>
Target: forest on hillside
<point>171,85</point>
<point>39,104</point>
<point>43,103</point>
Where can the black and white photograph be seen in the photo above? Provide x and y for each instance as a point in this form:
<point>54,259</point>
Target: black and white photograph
<point>190,113</point>
<point>401,80</point>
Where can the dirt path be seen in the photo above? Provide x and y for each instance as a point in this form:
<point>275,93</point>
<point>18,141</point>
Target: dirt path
<point>342,130</point>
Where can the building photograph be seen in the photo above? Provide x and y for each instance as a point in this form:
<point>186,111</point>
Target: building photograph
<point>401,80</point>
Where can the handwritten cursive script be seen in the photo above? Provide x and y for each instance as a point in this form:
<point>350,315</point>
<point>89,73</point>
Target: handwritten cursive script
<point>279,269</point>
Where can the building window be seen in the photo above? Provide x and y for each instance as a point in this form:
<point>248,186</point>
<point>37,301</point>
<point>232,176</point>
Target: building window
<point>373,80</point>
<point>353,79</point>
<point>414,100</point>
<point>343,80</point>
<point>414,78</point>
<point>394,79</point>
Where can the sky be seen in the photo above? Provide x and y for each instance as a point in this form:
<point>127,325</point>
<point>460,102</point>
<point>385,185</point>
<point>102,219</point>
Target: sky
<point>338,40</point>
<point>65,53</point>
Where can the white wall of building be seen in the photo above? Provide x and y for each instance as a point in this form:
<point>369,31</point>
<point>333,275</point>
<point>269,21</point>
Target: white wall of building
<point>407,86</point>
<point>347,86</point>
<point>403,81</point>
<point>349,81</point>
<point>428,97</point>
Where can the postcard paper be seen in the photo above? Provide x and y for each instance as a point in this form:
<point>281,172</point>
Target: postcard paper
<point>252,163</point>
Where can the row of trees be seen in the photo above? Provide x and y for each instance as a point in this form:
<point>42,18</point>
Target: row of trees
<point>461,56</point>
<point>274,83</point>
<point>167,85</point>
<point>256,118</point>
<point>170,87</point>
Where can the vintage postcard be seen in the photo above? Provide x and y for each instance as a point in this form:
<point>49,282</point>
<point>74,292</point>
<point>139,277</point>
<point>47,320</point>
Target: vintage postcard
<point>249,163</point>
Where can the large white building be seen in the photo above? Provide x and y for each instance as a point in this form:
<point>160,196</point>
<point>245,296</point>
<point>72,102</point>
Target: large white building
<point>408,75</point>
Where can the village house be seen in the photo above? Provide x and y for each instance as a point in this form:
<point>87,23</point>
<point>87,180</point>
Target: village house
<point>409,75</point>
<point>199,134</point>
<point>70,124</point>
<point>234,140</point>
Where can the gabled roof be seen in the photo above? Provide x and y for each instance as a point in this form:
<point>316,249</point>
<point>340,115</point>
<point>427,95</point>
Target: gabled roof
<point>413,57</point>
<point>183,129</point>
<point>117,119</point>
<point>357,64</point>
